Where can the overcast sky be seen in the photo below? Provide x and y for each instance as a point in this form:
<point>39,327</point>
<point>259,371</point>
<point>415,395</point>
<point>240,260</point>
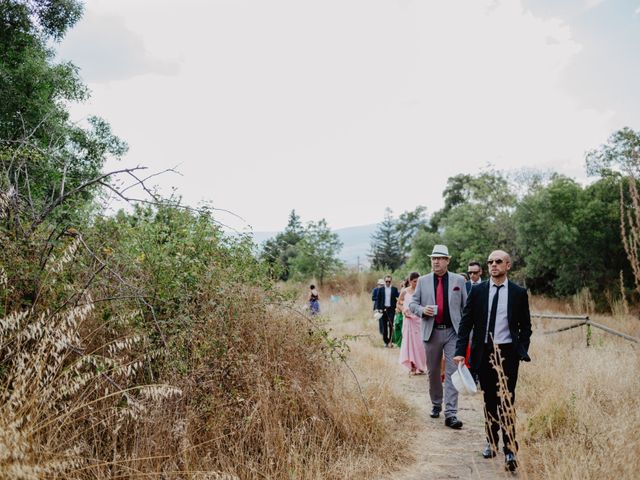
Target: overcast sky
<point>340,108</point>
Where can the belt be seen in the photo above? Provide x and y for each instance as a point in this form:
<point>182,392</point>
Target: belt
<point>441,327</point>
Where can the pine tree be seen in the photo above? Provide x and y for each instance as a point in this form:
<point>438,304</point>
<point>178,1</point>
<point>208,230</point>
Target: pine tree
<point>386,252</point>
<point>280,251</point>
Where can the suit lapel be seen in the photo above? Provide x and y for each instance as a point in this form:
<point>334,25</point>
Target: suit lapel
<point>447,294</point>
<point>485,302</point>
<point>509,301</point>
<point>431,294</point>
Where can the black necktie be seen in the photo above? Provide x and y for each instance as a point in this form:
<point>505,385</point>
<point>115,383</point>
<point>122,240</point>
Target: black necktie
<point>492,315</point>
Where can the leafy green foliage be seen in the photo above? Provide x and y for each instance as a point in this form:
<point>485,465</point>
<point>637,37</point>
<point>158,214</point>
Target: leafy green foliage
<point>546,229</point>
<point>476,219</point>
<point>280,252</point>
<point>570,236</point>
<point>317,252</point>
<point>175,254</point>
<point>621,154</point>
<point>408,225</point>
<point>302,252</point>
<point>562,237</point>
<point>43,155</point>
<point>620,157</point>
<point>33,90</point>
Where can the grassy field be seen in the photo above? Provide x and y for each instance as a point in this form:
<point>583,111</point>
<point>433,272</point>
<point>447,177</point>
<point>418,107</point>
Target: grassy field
<point>278,395</point>
<point>578,414</point>
<point>578,404</point>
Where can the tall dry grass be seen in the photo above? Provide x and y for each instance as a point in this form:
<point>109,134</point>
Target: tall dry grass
<point>260,391</point>
<point>577,404</point>
<point>577,407</point>
<point>351,316</point>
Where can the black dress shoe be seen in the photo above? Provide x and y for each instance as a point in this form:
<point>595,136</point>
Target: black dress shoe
<point>453,422</point>
<point>510,462</point>
<point>488,451</point>
<point>435,411</point>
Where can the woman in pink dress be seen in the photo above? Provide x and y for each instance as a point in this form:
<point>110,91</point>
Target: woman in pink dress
<point>412,354</point>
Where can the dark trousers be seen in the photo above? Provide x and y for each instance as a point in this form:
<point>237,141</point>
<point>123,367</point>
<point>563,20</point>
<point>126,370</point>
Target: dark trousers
<point>386,324</point>
<point>494,413</point>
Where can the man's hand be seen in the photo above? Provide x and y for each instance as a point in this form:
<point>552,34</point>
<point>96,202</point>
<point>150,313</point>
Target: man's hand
<point>458,360</point>
<point>428,311</point>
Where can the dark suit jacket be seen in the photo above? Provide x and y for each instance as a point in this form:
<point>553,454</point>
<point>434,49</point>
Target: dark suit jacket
<point>468,285</point>
<point>475,316</point>
<point>380,298</point>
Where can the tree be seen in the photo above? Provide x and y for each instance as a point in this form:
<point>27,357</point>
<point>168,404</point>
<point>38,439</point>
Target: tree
<point>386,253</point>
<point>280,252</point>
<point>408,225</point>
<point>33,89</point>
<point>318,252</point>
<point>422,248</point>
<point>621,156</point>
<point>44,156</point>
<point>476,219</point>
<point>570,237</point>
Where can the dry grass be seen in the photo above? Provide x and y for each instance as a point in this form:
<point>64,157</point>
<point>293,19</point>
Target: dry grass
<point>265,396</point>
<point>353,313</point>
<point>578,405</point>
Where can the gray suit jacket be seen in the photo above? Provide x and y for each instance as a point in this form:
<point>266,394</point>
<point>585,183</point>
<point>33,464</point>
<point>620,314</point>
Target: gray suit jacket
<point>425,295</point>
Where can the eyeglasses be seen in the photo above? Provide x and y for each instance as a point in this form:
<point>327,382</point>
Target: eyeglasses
<point>474,273</point>
<point>497,261</point>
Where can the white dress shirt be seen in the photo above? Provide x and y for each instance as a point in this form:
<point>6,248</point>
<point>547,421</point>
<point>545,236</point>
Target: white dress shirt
<point>501,333</point>
<point>387,296</point>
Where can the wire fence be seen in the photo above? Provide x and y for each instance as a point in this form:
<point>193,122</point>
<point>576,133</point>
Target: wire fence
<point>586,321</point>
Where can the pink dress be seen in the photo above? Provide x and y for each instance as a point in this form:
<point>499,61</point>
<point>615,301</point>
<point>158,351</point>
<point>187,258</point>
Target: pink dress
<point>412,354</point>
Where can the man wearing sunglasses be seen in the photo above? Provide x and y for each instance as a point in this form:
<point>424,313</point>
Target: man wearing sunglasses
<point>439,298</point>
<point>498,313</point>
<point>386,300</point>
<point>474,270</point>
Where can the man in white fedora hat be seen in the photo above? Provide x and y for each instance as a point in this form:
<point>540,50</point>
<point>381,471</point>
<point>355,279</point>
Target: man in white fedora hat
<point>439,299</point>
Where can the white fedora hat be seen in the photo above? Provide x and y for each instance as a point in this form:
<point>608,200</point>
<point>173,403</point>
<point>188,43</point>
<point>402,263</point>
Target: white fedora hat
<point>440,251</point>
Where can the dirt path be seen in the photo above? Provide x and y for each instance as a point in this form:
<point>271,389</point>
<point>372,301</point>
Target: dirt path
<point>443,453</point>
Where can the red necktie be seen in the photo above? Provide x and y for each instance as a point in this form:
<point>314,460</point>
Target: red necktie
<point>440,301</point>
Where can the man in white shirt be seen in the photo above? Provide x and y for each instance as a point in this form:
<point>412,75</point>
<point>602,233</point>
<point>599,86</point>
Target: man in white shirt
<point>474,270</point>
<point>386,300</point>
<point>498,313</point>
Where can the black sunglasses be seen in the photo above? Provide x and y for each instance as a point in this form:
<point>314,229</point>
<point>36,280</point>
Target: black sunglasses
<point>497,261</point>
<point>474,273</point>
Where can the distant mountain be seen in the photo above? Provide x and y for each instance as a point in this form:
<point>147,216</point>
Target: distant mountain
<point>356,242</point>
